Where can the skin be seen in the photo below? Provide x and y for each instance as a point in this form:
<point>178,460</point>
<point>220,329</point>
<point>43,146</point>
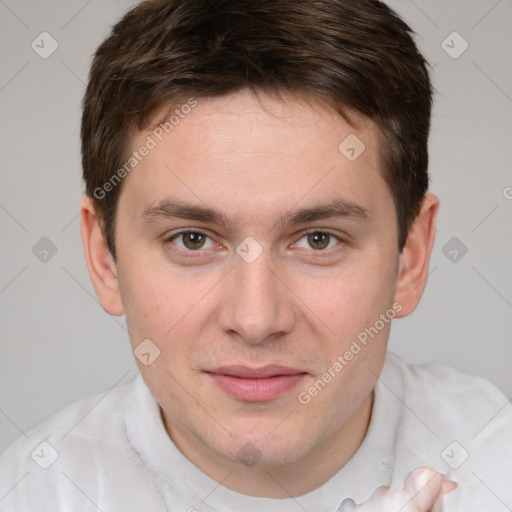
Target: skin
<point>423,491</point>
<point>254,160</point>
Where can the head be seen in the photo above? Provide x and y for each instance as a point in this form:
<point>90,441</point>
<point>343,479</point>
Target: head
<point>256,195</point>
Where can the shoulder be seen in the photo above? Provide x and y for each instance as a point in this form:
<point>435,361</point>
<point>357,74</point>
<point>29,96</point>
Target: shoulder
<point>457,423</point>
<point>89,433</point>
<point>446,389</point>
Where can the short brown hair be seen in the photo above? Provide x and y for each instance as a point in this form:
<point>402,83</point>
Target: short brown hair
<point>351,55</point>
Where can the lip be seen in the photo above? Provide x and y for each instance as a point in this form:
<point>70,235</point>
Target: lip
<point>256,384</point>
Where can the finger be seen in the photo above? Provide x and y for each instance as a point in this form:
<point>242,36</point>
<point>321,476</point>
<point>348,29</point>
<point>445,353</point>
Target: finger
<point>425,485</point>
<point>448,486</point>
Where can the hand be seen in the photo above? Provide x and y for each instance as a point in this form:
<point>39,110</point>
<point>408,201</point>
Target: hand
<point>423,492</point>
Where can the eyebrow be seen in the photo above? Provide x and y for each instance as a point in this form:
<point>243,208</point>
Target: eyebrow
<point>334,208</point>
<point>175,208</point>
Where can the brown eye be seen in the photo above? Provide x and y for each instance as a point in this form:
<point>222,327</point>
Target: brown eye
<point>191,240</point>
<point>318,240</point>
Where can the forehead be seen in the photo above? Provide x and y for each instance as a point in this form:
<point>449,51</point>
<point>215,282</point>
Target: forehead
<point>249,156</point>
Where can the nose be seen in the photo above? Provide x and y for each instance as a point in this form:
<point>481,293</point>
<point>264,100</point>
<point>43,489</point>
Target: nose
<point>257,306</point>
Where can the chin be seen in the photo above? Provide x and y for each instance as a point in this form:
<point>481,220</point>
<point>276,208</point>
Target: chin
<point>257,445</point>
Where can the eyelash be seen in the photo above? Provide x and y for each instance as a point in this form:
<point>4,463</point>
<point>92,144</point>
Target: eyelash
<point>182,252</point>
<point>198,253</point>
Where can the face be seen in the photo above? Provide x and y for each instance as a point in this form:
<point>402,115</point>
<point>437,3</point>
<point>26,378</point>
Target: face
<point>253,252</point>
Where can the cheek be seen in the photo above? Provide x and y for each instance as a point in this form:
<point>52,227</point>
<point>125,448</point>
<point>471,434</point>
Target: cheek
<point>354,302</point>
<point>150,302</point>
<point>349,300</point>
<point>163,306</point>
<point>146,305</point>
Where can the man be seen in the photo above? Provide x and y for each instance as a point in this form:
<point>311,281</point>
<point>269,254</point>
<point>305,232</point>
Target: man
<point>256,205</point>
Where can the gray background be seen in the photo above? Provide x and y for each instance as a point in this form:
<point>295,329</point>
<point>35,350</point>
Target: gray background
<point>57,344</point>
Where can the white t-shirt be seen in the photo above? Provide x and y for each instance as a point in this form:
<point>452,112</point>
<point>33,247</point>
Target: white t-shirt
<point>111,453</point>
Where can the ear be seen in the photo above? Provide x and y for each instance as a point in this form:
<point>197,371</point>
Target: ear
<point>415,257</point>
<point>101,265</point>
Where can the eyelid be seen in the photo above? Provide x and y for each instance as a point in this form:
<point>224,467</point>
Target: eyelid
<point>302,233</point>
<point>182,231</point>
<point>338,237</point>
<point>343,241</point>
<point>168,239</point>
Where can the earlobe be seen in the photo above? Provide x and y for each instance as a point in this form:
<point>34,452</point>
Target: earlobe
<point>415,258</point>
<point>101,266</point>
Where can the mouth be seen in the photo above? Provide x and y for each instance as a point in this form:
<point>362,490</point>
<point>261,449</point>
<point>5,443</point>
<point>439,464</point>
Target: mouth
<point>256,384</point>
